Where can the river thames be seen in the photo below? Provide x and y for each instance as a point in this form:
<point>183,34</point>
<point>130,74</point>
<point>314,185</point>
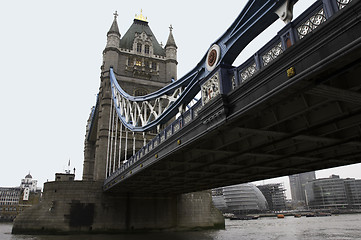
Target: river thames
<point>336,227</point>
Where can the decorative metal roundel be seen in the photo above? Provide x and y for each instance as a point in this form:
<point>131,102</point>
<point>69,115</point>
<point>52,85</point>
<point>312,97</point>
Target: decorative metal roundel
<point>213,57</point>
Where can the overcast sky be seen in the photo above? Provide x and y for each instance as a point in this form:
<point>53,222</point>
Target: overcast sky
<point>50,58</point>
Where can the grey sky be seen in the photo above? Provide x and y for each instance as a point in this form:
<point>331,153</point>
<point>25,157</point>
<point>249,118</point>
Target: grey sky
<point>50,58</point>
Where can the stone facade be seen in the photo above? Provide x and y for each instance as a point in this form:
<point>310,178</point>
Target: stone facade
<point>81,206</point>
<point>141,66</point>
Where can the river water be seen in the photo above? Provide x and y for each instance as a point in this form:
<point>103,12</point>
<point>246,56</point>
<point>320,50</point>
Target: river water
<point>334,227</point>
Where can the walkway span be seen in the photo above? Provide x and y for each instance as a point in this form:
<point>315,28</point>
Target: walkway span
<point>298,112</point>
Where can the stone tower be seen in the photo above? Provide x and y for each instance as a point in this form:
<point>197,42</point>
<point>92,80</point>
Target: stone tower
<point>171,56</point>
<point>141,66</point>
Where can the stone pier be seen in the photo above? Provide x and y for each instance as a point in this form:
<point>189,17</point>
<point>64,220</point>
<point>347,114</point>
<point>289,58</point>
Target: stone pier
<point>82,207</point>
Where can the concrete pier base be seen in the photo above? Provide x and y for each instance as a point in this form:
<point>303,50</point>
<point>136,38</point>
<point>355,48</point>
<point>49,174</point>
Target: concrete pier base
<point>82,207</point>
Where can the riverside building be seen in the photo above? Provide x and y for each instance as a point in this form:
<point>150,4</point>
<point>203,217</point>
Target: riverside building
<point>334,193</point>
<point>13,200</point>
<point>240,199</point>
<point>275,196</point>
<point>297,185</point>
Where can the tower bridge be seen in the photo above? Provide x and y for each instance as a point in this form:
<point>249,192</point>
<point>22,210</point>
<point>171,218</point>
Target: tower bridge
<point>294,106</point>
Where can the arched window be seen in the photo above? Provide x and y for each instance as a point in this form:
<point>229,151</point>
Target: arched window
<point>139,47</point>
<point>154,66</point>
<point>146,49</point>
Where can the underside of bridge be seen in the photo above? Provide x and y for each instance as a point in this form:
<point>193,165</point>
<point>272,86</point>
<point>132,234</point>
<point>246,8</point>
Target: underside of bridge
<point>273,125</point>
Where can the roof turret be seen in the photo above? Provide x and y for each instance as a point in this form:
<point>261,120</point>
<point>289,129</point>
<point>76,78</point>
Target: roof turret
<point>170,41</point>
<point>114,28</point>
<point>140,24</point>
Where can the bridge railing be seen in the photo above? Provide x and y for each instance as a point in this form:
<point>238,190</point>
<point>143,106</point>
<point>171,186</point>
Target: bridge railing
<point>307,22</point>
<point>293,32</point>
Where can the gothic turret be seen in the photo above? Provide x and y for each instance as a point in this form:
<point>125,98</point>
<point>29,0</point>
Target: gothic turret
<point>110,53</point>
<point>113,35</point>
<point>171,56</point>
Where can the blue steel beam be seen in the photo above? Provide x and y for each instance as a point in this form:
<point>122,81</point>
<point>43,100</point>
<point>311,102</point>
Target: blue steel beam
<point>256,16</point>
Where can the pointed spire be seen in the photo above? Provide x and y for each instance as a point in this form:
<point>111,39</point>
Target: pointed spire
<point>114,28</point>
<point>171,41</point>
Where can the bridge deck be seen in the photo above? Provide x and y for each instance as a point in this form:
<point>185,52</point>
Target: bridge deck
<point>272,125</point>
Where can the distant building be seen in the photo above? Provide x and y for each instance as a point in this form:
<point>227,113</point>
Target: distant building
<point>9,196</point>
<point>334,192</point>
<point>9,200</point>
<point>241,199</point>
<point>297,184</point>
<point>218,199</point>
<point>275,196</point>
<point>29,183</point>
<point>353,192</point>
<point>15,199</point>
<point>69,177</point>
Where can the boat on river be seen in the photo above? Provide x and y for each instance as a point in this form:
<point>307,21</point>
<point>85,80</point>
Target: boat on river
<point>244,217</point>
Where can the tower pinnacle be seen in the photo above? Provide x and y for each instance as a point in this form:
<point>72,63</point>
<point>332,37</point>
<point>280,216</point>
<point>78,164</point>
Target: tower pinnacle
<point>140,17</point>
<point>171,56</point>
<point>114,28</point>
<point>113,35</point>
<point>170,41</point>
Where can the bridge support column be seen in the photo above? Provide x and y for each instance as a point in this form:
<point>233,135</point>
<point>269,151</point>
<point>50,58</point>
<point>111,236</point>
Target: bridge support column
<point>101,145</point>
<point>89,158</point>
<point>83,207</point>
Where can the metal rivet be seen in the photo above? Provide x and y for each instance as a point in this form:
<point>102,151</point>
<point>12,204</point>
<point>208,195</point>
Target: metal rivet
<point>291,72</point>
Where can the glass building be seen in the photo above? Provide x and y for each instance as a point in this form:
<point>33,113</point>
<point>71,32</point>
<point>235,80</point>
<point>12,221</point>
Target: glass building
<point>241,199</point>
<point>333,192</point>
<point>275,196</point>
<point>353,191</point>
<point>298,183</point>
<point>218,199</point>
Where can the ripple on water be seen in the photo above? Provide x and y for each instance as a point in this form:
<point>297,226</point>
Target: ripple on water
<point>342,227</point>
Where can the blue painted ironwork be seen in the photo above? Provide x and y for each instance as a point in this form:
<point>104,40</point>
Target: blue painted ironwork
<point>256,16</point>
<point>288,35</point>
